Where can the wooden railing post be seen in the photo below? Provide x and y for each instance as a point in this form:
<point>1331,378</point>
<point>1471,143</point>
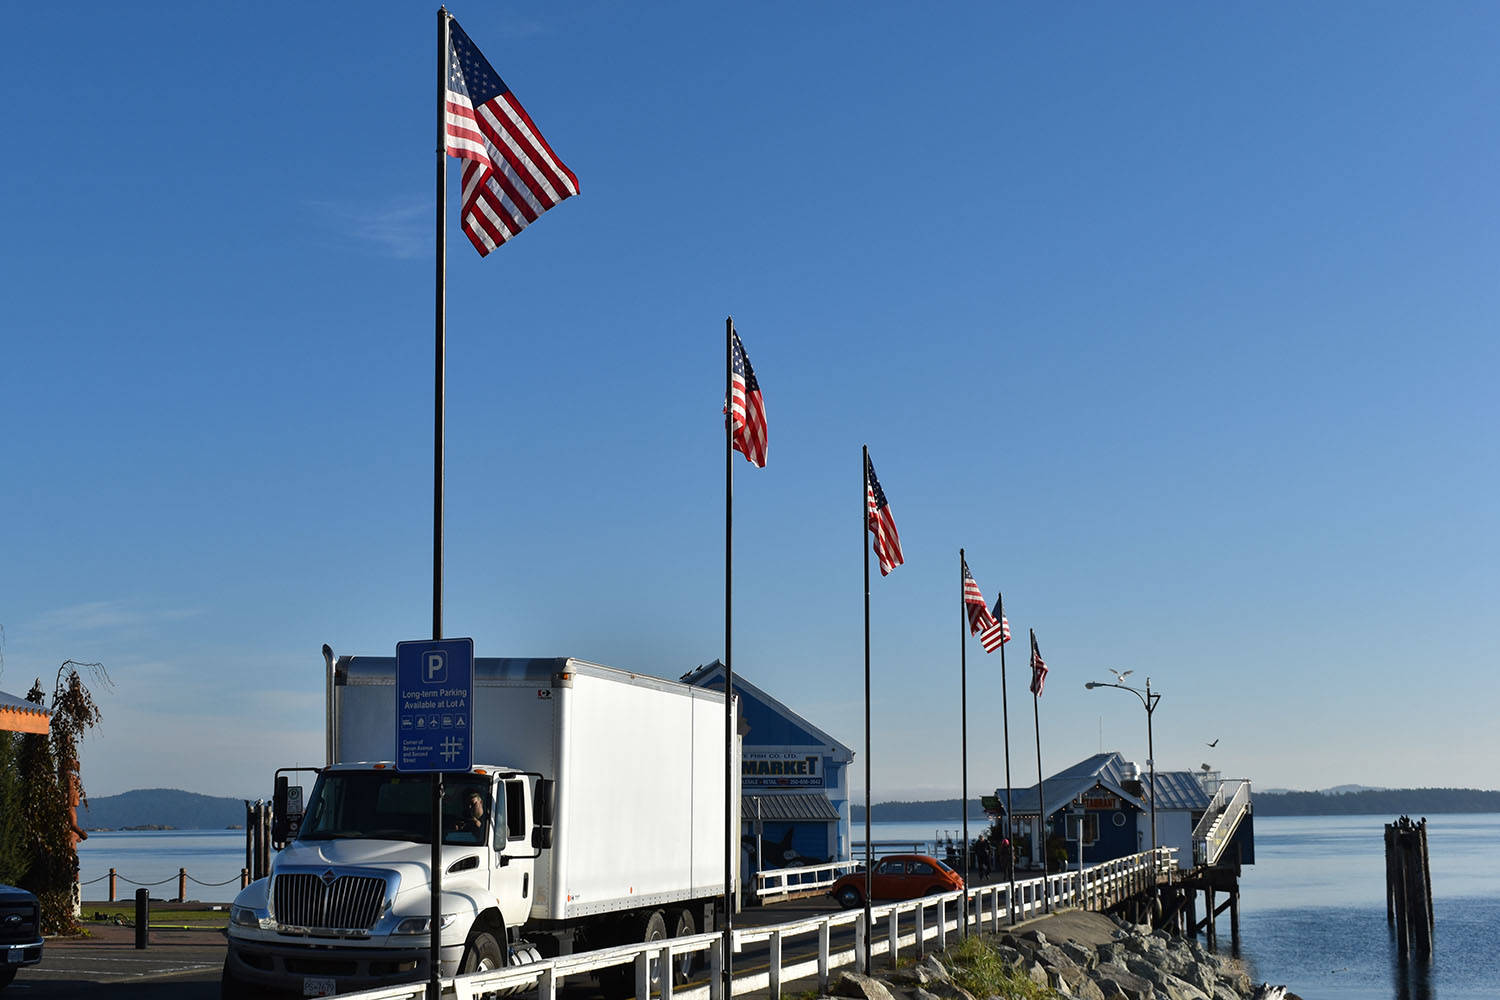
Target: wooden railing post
<point>112,885</point>
<point>823,942</point>
<point>775,968</point>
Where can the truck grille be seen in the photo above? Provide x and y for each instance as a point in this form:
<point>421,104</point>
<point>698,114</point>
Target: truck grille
<point>347,902</point>
<point>18,923</point>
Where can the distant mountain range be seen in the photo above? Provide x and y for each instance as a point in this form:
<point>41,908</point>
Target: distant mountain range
<point>161,807</point>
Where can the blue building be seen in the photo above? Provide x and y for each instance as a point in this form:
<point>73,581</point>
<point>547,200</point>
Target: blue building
<point>1102,807</point>
<point>794,801</point>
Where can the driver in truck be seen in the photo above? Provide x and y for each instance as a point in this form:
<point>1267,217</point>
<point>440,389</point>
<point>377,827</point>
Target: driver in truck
<point>472,819</point>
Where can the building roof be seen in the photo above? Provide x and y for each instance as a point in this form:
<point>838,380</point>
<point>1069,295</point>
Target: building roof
<point>709,673</point>
<point>778,807</point>
<point>17,715</point>
<point>1175,790</point>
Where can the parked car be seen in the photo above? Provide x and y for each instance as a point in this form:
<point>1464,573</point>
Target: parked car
<point>897,876</point>
<point>20,932</point>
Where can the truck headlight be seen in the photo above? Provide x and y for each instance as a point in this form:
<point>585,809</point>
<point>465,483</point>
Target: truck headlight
<point>419,925</point>
<point>243,916</point>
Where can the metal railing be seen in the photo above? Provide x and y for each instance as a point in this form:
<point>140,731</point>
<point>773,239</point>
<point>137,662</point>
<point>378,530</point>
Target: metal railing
<point>915,923</point>
<point>1212,834</point>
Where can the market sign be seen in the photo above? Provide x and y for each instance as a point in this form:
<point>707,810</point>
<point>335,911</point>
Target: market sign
<point>786,767</point>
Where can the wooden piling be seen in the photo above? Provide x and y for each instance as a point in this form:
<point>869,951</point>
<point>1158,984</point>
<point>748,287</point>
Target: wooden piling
<point>1409,886</point>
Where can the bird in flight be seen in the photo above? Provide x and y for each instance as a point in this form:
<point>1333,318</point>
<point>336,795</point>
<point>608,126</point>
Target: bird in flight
<point>1213,744</point>
<point>1119,677</point>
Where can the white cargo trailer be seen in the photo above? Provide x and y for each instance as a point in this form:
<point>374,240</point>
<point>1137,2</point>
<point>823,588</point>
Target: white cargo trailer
<point>604,796</point>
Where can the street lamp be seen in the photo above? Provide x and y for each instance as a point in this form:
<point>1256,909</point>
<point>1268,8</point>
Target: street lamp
<point>1148,701</point>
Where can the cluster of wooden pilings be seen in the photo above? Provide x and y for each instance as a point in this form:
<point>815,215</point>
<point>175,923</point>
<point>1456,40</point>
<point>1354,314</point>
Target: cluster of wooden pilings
<point>1408,886</point>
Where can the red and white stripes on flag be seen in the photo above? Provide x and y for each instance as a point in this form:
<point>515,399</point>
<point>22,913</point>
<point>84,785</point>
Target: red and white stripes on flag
<point>998,634</point>
<point>980,619</point>
<point>510,174</point>
<point>1038,668</point>
<point>881,524</point>
<point>747,408</point>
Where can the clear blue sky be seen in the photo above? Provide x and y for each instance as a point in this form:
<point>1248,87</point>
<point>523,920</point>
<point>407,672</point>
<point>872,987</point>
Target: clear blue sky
<point>1181,318</point>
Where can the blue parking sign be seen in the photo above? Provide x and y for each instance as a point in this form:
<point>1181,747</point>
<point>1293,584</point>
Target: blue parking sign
<point>434,705</point>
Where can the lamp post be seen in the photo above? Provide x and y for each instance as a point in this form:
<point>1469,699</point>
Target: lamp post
<point>1148,701</point>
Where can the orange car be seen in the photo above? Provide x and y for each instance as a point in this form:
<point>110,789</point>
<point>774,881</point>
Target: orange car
<point>897,876</point>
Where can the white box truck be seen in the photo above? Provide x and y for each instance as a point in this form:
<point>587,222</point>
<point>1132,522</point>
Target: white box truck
<point>593,816</point>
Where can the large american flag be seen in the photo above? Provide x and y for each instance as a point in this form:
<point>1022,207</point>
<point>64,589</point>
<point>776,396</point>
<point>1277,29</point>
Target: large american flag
<point>979,614</point>
<point>1038,668</point>
<point>510,174</point>
<point>998,634</point>
<point>881,524</point>
<point>747,408</point>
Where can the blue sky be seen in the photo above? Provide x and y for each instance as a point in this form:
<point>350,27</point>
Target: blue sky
<point>1180,318</point>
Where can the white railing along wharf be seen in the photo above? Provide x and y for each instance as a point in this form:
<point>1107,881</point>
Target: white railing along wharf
<point>916,923</point>
<point>775,883</point>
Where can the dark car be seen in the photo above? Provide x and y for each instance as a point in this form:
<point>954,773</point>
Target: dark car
<point>897,876</point>
<point>20,932</point>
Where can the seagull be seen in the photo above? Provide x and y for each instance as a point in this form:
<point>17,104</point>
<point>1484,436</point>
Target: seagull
<point>1213,744</point>
<point>1119,677</point>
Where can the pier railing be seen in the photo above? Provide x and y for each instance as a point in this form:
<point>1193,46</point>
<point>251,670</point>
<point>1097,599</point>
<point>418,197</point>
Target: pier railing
<point>911,926</point>
<point>1213,832</point>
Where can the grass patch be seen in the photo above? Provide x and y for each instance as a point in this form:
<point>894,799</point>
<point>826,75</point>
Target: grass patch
<point>162,915</point>
<point>978,968</point>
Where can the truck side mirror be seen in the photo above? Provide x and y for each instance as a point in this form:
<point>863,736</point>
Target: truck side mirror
<point>544,801</point>
<point>280,821</point>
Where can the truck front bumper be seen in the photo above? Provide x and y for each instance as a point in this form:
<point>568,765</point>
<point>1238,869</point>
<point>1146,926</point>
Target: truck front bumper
<point>287,966</point>
<point>16,955</point>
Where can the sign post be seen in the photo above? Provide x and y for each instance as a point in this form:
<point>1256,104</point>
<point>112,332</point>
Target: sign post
<point>434,727</point>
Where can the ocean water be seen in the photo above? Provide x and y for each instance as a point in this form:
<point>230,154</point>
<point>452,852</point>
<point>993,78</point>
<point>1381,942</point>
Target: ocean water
<point>1312,908</point>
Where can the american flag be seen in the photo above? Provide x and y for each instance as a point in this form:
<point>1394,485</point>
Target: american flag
<point>998,634</point>
<point>979,615</point>
<point>1038,668</point>
<point>510,174</point>
<point>747,406</point>
<point>881,524</point>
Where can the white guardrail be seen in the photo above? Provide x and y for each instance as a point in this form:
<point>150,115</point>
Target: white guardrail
<point>910,924</point>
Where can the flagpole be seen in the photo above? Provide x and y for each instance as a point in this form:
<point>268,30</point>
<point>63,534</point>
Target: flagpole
<point>440,337</point>
<point>1010,856</point>
<point>1041,798</point>
<point>963,703</point>
<point>730,847</point>
<point>864,521</point>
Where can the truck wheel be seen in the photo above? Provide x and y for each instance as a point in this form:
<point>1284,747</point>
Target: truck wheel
<point>849,897</point>
<point>656,930</point>
<point>230,988</point>
<point>483,954</point>
<point>685,967</point>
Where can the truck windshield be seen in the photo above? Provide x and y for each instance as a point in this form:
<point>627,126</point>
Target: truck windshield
<point>385,805</point>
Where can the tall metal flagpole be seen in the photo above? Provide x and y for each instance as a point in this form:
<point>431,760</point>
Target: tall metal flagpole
<point>1010,848</point>
<point>440,317</point>
<point>730,847</point>
<point>1041,798</point>
<point>963,711</point>
<point>864,522</point>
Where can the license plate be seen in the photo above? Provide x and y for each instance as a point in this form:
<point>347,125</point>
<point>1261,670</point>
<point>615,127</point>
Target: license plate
<point>14,957</point>
<point>318,986</point>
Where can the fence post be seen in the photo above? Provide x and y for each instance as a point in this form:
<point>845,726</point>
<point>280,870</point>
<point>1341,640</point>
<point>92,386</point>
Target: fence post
<point>111,885</point>
<point>775,967</point>
<point>921,924</point>
<point>895,936</point>
<point>643,976</point>
<point>142,916</point>
<point>715,972</point>
<point>244,878</point>
<point>942,924</point>
<point>546,987</point>
<point>861,943</point>
<point>666,971</point>
<point>823,936</point>
<point>182,885</point>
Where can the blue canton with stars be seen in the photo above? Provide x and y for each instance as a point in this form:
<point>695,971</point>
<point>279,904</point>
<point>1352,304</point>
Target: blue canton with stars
<point>741,367</point>
<point>469,72</point>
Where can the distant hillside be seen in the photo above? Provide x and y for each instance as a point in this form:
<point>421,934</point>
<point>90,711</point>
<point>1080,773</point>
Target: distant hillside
<point>162,807</point>
<point>909,812</point>
<point>1390,802</point>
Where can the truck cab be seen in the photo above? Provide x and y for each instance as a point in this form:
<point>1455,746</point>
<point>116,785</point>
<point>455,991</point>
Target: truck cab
<point>20,932</point>
<point>347,905</point>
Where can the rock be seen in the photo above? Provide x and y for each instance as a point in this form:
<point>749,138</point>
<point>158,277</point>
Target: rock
<point>1010,955</point>
<point>1035,937</point>
<point>912,975</point>
<point>859,987</point>
<point>1177,989</point>
<point>1082,957</point>
<point>1037,974</point>
<point>1222,992</point>
<point>935,969</point>
<point>1052,955</point>
<point>1236,979</point>
<point>1130,985</point>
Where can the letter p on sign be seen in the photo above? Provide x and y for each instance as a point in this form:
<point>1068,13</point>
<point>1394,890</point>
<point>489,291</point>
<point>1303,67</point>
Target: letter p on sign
<point>435,667</point>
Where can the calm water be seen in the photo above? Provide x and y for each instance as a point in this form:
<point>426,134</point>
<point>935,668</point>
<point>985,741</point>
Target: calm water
<point>1312,908</point>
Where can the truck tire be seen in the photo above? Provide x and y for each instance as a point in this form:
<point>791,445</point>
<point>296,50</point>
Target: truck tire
<point>231,988</point>
<point>641,927</point>
<point>482,954</point>
<point>686,966</point>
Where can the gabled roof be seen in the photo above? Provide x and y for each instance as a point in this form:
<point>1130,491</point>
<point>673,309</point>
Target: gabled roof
<point>708,673</point>
<point>1175,790</point>
<point>17,715</point>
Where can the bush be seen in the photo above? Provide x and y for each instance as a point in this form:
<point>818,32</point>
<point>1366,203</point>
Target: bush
<point>978,968</point>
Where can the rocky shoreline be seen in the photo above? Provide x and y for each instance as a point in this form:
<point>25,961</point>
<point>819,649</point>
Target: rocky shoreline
<point>1077,956</point>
